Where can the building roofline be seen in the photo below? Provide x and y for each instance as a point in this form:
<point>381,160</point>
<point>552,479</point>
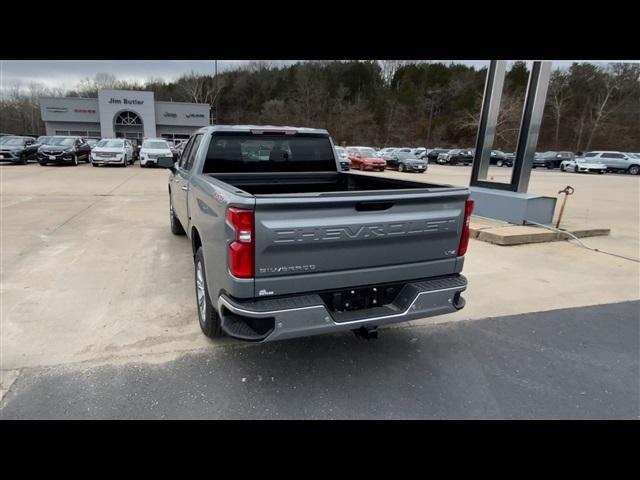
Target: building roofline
<point>182,103</point>
<point>64,98</point>
<point>96,98</point>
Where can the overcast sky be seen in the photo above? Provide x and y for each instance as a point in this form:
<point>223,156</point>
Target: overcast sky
<point>66,74</point>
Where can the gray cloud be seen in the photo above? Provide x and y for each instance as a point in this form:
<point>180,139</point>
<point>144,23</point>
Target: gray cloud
<point>67,73</point>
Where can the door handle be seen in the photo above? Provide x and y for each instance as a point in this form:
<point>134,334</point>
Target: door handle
<point>185,188</point>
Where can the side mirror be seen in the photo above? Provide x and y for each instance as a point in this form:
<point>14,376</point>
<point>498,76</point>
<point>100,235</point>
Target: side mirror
<point>166,162</point>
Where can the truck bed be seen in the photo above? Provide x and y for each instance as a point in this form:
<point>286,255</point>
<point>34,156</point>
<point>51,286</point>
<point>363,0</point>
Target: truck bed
<point>260,184</point>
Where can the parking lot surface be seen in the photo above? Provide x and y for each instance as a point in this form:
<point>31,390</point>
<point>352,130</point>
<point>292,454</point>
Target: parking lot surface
<point>577,363</point>
<point>91,273</point>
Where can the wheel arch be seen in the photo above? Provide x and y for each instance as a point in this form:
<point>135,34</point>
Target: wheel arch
<point>196,240</point>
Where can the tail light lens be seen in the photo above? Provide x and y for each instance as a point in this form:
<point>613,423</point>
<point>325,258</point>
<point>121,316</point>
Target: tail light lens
<point>241,256</point>
<point>464,239</point>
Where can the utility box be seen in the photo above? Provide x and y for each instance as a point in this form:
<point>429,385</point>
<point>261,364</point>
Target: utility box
<point>512,207</point>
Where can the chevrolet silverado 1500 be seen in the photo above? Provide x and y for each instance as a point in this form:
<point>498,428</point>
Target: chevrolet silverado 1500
<point>285,244</point>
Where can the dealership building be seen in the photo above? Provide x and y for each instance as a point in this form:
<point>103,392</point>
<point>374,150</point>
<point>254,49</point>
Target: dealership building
<point>122,114</point>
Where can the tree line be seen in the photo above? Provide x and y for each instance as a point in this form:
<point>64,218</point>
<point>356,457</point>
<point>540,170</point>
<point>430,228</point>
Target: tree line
<point>386,103</point>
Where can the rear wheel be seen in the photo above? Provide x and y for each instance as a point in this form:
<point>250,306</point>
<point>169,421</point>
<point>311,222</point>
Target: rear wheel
<point>208,318</point>
<point>94,164</point>
<point>75,161</point>
<point>499,163</point>
<point>42,163</point>
<point>23,159</point>
<point>549,166</point>
<point>125,162</point>
<point>634,170</point>
<point>562,169</point>
<point>575,169</point>
<point>400,167</point>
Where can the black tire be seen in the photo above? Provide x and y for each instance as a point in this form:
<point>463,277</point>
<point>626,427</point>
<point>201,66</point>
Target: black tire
<point>94,164</point>
<point>176,226</point>
<point>23,159</point>
<point>575,169</point>
<point>562,168</point>
<point>634,170</point>
<point>453,162</point>
<point>600,172</point>
<point>362,167</point>
<point>209,320</point>
<point>42,163</point>
<point>549,166</point>
<point>499,163</point>
<point>400,167</point>
<point>125,162</point>
<point>76,162</point>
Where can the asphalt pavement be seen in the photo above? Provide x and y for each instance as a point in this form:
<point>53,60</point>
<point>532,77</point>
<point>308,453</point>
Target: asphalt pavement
<point>579,363</point>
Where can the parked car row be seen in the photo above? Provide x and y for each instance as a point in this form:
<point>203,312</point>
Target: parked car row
<point>610,161</point>
<point>119,151</point>
<point>64,149</point>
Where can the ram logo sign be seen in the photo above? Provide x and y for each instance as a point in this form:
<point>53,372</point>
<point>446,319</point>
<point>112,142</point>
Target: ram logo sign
<point>360,232</point>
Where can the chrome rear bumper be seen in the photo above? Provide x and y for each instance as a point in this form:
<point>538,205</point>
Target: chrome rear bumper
<point>304,315</point>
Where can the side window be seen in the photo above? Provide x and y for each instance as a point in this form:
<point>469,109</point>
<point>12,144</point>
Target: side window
<point>193,152</point>
<point>591,155</point>
<point>185,153</point>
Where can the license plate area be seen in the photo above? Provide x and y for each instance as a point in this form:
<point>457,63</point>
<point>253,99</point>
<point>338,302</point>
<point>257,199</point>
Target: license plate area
<point>361,298</point>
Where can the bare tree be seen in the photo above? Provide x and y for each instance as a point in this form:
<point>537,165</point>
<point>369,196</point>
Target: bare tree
<point>603,106</point>
<point>558,99</point>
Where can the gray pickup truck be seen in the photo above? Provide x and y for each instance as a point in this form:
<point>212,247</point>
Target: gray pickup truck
<point>285,244</point>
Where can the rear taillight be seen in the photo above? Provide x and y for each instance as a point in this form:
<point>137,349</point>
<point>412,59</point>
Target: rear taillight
<point>464,239</point>
<point>242,247</point>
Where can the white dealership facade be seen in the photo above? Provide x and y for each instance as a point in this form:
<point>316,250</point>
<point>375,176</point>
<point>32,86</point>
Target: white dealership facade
<point>122,113</point>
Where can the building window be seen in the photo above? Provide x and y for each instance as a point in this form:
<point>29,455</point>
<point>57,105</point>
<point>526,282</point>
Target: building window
<point>62,132</point>
<point>128,118</point>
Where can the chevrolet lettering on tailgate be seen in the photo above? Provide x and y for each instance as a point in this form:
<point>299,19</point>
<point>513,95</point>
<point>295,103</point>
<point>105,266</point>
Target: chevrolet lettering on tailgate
<point>377,230</point>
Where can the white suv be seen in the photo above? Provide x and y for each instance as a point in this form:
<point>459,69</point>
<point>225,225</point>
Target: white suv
<point>152,149</point>
<point>115,151</point>
<point>616,161</point>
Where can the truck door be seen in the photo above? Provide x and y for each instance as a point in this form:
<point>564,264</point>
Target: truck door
<point>180,185</point>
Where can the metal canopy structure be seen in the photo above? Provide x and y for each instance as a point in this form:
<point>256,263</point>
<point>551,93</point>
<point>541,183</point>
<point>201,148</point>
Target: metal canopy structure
<point>510,201</point>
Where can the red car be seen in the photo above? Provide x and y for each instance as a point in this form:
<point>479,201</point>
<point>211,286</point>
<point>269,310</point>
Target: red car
<point>364,158</point>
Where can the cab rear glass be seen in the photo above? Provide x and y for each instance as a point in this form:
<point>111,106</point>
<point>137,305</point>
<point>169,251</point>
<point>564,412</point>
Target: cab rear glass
<point>229,153</point>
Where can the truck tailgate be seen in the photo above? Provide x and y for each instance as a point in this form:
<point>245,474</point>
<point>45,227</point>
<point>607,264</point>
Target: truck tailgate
<point>335,240</point>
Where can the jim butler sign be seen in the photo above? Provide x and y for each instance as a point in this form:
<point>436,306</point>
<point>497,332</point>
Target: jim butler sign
<point>112,102</point>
